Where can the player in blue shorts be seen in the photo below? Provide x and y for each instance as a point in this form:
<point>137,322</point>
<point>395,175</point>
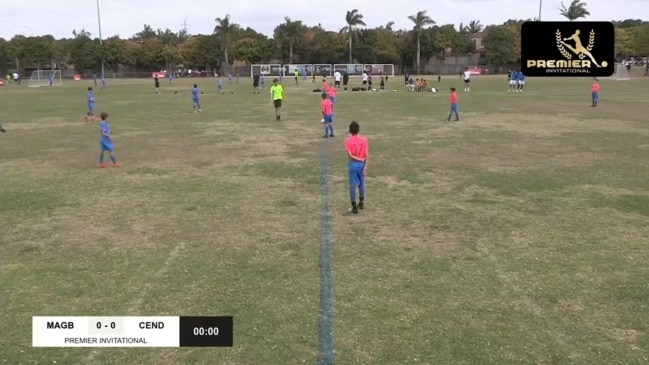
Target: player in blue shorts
<point>91,104</point>
<point>106,142</point>
<point>103,83</point>
<point>197,104</point>
<point>357,152</point>
<point>219,87</point>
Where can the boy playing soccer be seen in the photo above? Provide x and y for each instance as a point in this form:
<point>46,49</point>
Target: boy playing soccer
<point>103,83</point>
<point>106,142</point>
<point>255,84</point>
<point>327,116</point>
<point>91,104</point>
<point>358,152</point>
<point>324,85</point>
<point>453,100</point>
<point>331,93</point>
<point>219,87</point>
<point>197,104</point>
<point>521,81</point>
<point>513,80</point>
<point>467,80</point>
<point>277,95</point>
<point>595,91</point>
<point>157,85</point>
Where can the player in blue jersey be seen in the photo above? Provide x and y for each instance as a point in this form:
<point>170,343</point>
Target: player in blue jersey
<point>513,81</point>
<point>197,104</point>
<point>106,142</point>
<point>219,87</point>
<point>103,83</point>
<point>94,78</point>
<point>521,81</point>
<point>171,77</point>
<point>90,98</point>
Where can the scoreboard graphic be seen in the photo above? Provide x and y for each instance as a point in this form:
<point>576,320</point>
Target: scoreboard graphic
<point>132,331</point>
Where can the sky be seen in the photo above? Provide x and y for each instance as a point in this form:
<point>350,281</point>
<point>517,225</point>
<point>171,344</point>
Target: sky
<point>127,17</point>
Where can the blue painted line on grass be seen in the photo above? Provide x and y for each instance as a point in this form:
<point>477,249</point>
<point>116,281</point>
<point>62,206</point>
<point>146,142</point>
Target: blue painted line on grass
<point>325,324</point>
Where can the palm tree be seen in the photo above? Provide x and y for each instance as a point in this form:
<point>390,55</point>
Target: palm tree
<point>473,27</point>
<point>291,32</point>
<point>421,20</point>
<point>225,29</point>
<point>354,19</point>
<point>576,10</point>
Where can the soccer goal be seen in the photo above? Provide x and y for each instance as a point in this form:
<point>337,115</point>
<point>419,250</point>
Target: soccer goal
<point>45,78</point>
<point>621,73</point>
<point>379,69</point>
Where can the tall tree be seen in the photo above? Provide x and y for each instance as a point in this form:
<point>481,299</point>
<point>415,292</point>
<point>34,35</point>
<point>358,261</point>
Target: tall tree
<point>354,19</point>
<point>421,20</point>
<point>473,27</point>
<point>292,33</point>
<point>576,10</point>
<point>225,30</point>
<point>499,43</point>
<point>389,25</point>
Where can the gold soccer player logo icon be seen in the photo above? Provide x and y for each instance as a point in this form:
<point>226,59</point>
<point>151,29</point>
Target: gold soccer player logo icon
<point>578,49</point>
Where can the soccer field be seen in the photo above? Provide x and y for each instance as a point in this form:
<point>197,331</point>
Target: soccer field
<point>516,236</point>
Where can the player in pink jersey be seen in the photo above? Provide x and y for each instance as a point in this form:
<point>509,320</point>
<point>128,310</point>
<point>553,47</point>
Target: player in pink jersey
<point>358,152</point>
<point>331,92</point>
<point>327,116</point>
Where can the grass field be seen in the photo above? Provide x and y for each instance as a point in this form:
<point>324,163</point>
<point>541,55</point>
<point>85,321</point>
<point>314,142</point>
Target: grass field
<point>517,236</point>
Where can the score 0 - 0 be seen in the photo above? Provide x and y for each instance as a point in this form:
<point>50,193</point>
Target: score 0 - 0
<point>105,326</point>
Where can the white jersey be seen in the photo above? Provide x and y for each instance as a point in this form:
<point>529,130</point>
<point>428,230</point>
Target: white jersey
<point>364,77</point>
<point>337,76</point>
<point>467,75</point>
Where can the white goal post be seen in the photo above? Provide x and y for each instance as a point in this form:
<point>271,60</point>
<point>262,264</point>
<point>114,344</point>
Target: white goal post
<point>357,69</point>
<point>45,78</point>
<point>622,73</point>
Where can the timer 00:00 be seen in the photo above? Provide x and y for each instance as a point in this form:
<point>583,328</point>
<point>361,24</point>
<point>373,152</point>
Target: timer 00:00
<point>209,331</point>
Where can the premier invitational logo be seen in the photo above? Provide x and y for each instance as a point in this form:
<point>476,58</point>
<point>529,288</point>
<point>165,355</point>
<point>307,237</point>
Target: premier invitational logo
<point>571,52</point>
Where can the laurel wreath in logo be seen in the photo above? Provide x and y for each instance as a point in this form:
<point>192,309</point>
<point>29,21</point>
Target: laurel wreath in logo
<point>591,43</point>
<point>560,46</point>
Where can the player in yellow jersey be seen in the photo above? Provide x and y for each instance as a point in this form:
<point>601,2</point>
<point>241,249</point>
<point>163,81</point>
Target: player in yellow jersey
<point>277,95</point>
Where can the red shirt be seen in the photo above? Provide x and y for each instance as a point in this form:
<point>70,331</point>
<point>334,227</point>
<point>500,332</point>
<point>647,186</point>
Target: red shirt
<point>357,146</point>
<point>331,92</point>
<point>595,87</point>
<point>453,98</point>
<point>324,87</point>
<point>325,106</point>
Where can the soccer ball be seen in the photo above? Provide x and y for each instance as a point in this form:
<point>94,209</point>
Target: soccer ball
<point>322,121</point>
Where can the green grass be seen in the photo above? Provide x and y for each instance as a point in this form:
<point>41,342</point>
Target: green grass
<point>517,236</point>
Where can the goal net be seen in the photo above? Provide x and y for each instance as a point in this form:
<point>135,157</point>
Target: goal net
<point>357,70</point>
<point>621,73</point>
<point>45,78</point>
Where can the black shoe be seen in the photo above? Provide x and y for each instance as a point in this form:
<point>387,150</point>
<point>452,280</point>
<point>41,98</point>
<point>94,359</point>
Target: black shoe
<point>361,206</point>
<point>457,119</point>
<point>2,130</point>
<point>331,135</point>
<point>354,210</point>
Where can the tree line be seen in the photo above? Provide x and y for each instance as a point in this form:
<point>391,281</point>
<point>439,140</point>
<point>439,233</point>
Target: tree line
<point>295,42</point>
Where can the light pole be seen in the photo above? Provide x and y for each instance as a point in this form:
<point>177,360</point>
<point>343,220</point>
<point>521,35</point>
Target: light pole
<point>540,6</point>
<point>101,42</point>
